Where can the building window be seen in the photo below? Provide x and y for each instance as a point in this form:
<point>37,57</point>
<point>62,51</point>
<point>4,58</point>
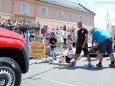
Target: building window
<point>25,8</point>
<point>0,4</point>
<point>89,20</point>
<point>71,17</point>
<point>81,18</point>
<point>61,14</point>
<point>44,11</point>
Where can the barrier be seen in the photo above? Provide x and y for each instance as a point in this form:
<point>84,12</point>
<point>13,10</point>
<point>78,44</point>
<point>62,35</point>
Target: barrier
<point>37,50</point>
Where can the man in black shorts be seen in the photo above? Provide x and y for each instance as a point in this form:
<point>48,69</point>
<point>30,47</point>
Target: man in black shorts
<point>81,43</point>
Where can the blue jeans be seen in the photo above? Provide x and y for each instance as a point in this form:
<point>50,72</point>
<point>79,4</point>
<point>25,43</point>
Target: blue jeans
<point>53,52</point>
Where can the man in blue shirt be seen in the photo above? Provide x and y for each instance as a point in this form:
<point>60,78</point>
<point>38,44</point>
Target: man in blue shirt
<point>104,41</point>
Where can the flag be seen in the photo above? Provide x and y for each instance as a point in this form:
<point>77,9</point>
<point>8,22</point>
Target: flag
<point>108,24</point>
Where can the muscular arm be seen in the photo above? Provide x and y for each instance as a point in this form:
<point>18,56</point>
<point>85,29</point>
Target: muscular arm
<point>76,39</point>
<point>93,42</point>
<point>86,38</point>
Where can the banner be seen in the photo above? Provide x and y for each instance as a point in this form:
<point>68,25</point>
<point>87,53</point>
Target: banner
<point>37,50</point>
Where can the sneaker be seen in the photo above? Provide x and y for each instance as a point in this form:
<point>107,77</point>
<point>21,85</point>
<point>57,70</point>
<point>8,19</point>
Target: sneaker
<point>54,58</point>
<point>99,65</point>
<point>112,65</point>
<point>89,65</point>
<point>73,63</point>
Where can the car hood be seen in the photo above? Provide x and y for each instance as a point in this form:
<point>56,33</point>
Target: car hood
<point>10,34</point>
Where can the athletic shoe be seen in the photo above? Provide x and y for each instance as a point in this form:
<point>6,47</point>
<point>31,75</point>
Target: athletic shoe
<point>54,58</point>
<point>99,65</point>
<point>73,63</point>
<point>112,65</point>
<point>89,65</point>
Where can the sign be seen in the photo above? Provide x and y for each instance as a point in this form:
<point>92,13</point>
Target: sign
<point>37,50</point>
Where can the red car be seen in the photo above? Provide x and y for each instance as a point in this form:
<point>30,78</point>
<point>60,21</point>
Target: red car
<point>13,58</point>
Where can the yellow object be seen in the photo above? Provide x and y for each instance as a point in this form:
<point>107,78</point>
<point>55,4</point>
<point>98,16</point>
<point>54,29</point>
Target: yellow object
<point>37,50</point>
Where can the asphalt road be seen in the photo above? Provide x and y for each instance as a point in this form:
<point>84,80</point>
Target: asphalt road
<point>45,74</point>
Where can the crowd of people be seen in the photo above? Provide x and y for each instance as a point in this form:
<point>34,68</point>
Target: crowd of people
<point>61,33</point>
<point>99,36</point>
<point>20,27</point>
<point>60,36</point>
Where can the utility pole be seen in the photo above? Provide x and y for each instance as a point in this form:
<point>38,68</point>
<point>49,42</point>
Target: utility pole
<point>26,36</point>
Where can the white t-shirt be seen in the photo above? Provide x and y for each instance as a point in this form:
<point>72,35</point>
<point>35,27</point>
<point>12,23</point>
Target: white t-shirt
<point>67,52</point>
<point>58,37</point>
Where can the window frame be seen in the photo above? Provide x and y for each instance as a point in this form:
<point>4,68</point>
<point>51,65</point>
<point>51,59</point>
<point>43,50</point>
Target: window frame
<point>46,11</point>
<point>81,19</point>
<point>22,8</point>
<point>0,4</point>
<point>61,16</point>
<point>89,20</point>
<point>71,17</point>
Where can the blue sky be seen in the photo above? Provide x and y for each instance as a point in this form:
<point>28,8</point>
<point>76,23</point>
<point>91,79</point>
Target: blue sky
<point>101,8</point>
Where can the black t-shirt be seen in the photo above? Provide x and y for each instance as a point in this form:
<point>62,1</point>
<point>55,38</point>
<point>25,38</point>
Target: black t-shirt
<point>32,34</point>
<point>52,41</point>
<point>81,35</point>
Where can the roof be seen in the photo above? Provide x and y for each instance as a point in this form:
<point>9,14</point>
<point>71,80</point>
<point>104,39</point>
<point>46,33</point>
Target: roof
<point>69,4</point>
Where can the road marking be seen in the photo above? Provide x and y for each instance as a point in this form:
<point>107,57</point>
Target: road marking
<point>66,84</point>
<point>38,74</point>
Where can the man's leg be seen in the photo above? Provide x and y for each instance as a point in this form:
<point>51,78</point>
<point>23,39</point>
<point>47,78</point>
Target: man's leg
<point>102,48</point>
<point>86,53</point>
<point>112,60</point>
<point>111,57</point>
<point>110,52</point>
<point>68,59</point>
<point>88,58</point>
<point>100,56</point>
<point>77,54</point>
<point>53,53</point>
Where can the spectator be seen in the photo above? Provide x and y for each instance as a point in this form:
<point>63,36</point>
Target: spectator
<point>32,35</point>
<point>58,37</point>
<point>69,53</point>
<point>52,43</point>
<point>64,28</point>
<point>38,24</point>
<point>65,39</point>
